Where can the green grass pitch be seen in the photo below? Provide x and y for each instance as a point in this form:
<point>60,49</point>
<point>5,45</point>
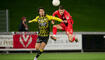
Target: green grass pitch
<point>54,56</point>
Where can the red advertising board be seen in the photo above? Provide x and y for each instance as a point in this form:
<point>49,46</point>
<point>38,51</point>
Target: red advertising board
<point>24,40</point>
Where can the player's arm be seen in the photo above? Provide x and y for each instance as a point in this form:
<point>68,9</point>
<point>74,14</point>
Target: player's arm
<point>55,18</point>
<point>24,24</point>
<point>34,20</point>
<point>54,14</point>
<point>72,22</point>
<point>69,18</point>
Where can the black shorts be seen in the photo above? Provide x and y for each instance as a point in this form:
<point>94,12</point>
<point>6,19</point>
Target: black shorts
<point>41,39</point>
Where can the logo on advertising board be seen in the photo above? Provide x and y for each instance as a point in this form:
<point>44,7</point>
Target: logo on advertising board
<point>25,40</point>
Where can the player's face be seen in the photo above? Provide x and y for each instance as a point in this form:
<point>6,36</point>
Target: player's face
<point>41,12</point>
<point>24,19</point>
<point>61,11</point>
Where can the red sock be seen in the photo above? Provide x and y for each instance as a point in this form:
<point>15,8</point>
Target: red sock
<point>73,39</point>
<point>54,30</point>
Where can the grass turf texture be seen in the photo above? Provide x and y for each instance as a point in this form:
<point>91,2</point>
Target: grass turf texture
<point>55,56</point>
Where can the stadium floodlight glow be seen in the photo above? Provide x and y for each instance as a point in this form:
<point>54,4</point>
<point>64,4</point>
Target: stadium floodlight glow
<point>56,2</point>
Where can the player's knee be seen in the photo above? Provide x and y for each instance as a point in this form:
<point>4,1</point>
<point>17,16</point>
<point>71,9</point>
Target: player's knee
<point>42,47</point>
<point>54,25</point>
<point>37,48</point>
<point>68,33</point>
<point>70,40</point>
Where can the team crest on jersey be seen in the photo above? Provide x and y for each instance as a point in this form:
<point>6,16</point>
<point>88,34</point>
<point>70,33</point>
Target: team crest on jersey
<point>67,17</point>
<point>45,19</point>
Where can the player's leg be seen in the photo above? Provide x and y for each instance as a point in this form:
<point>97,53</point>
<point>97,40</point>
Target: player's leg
<point>69,33</point>
<point>44,43</point>
<point>70,37</point>
<point>42,46</point>
<point>37,46</point>
<point>55,27</point>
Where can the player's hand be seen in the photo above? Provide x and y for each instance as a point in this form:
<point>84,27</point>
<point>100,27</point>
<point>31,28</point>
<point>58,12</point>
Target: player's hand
<point>29,21</point>
<point>52,22</point>
<point>65,21</point>
<point>26,28</point>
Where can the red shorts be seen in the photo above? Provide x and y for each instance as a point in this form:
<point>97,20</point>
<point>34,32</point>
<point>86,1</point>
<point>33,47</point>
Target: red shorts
<point>68,29</point>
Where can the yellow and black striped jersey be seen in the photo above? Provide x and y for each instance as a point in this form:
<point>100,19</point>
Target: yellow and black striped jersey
<point>44,24</point>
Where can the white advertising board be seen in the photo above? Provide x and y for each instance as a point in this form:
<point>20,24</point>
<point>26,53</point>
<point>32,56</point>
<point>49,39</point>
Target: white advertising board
<point>6,41</point>
<point>62,43</point>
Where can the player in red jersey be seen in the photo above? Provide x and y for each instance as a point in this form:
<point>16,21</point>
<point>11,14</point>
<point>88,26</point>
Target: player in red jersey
<point>66,25</point>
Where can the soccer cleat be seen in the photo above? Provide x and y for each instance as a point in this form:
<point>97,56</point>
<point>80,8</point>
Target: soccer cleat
<point>53,37</point>
<point>76,40</point>
<point>35,58</point>
<point>70,41</point>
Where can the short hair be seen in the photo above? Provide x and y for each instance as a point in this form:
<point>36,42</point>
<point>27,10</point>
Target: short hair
<point>41,8</point>
<point>23,18</point>
<point>61,7</point>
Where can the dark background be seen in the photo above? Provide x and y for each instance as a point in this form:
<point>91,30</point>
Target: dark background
<point>88,15</point>
<point>93,42</point>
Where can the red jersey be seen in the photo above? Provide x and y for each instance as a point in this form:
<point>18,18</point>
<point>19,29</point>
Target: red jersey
<point>65,16</point>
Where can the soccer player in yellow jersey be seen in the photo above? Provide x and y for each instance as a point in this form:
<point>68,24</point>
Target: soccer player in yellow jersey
<point>43,21</point>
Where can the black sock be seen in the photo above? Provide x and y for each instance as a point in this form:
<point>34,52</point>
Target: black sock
<point>39,53</point>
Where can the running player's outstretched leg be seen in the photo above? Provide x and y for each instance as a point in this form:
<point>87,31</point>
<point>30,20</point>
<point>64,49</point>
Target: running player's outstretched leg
<point>39,52</point>
<point>40,48</point>
<point>71,37</point>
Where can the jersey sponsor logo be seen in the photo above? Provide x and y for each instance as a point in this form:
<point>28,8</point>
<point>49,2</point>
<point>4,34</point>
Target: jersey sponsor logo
<point>43,24</point>
<point>67,17</point>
